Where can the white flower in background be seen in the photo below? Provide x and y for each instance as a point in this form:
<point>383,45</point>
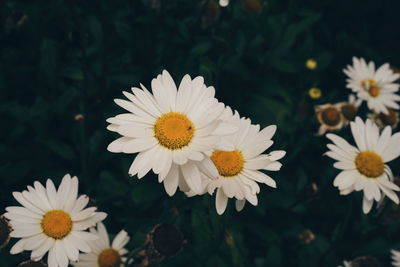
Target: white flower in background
<point>240,170</point>
<point>395,257</point>
<point>377,87</point>
<point>329,117</point>
<point>349,109</point>
<point>346,264</point>
<point>223,3</point>
<point>363,167</point>
<point>53,221</point>
<point>104,253</point>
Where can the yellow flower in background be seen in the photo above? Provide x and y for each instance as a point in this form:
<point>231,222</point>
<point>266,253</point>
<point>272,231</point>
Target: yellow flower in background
<point>314,93</point>
<point>311,64</point>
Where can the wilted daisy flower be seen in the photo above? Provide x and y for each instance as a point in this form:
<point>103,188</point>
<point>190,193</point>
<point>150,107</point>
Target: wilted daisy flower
<point>363,167</point>
<point>53,221</point>
<point>104,253</point>
<point>349,109</point>
<point>170,130</point>
<point>382,120</point>
<point>240,170</point>
<point>330,118</point>
<point>5,230</point>
<point>377,87</point>
<point>395,257</point>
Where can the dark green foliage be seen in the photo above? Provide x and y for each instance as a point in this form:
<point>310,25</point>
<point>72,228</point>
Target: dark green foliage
<point>63,62</point>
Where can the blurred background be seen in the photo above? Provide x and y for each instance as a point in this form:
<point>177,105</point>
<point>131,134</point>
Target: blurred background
<point>63,62</point>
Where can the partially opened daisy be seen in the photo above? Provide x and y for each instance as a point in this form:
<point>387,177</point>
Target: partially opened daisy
<point>363,166</point>
<point>170,130</point>
<point>330,117</point>
<point>377,87</point>
<point>104,253</point>
<point>240,170</point>
<point>53,221</point>
<point>395,255</point>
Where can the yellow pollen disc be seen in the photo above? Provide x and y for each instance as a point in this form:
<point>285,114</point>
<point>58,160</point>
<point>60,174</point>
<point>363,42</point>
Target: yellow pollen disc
<point>109,258</point>
<point>368,83</point>
<point>370,164</point>
<point>349,111</point>
<point>330,116</point>
<point>314,93</point>
<point>374,91</point>
<point>174,130</point>
<point>56,224</point>
<point>228,164</point>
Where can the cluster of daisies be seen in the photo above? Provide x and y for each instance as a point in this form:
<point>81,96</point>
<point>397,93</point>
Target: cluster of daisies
<point>59,223</point>
<point>377,87</point>
<point>364,165</point>
<point>193,142</point>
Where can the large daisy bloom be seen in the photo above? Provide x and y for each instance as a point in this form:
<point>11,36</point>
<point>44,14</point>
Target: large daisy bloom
<point>395,255</point>
<point>330,117</point>
<point>53,221</point>
<point>240,169</point>
<point>377,87</point>
<point>170,130</point>
<point>363,166</point>
<point>104,253</point>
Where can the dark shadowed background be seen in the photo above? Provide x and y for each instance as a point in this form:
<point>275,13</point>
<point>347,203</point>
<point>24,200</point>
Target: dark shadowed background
<point>63,62</point>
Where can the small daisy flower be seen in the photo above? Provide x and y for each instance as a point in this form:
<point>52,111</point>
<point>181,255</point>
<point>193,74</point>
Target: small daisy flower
<point>311,64</point>
<point>223,3</point>
<point>377,87</point>
<point>240,170</point>
<point>395,255</point>
<point>170,130</point>
<point>104,253</point>
<point>330,118</point>
<point>346,264</point>
<point>349,109</point>
<point>314,93</point>
<point>383,120</point>
<point>363,167</point>
<point>53,221</point>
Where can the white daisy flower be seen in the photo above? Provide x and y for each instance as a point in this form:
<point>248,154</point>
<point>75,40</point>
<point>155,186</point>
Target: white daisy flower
<point>224,3</point>
<point>53,221</point>
<point>363,167</point>
<point>239,170</point>
<point>377,87</point>
<point>329,117</point>
<point>395,257</point>
<point>103,254</point>
<point>171,130</point>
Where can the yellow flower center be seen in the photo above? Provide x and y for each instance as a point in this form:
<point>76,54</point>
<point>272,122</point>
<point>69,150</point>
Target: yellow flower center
<point>56,224</point>
<point>366,83</point>
<point>174,130</point>
<point>311,64</point>
<point>389,119</point>
<point>330,116</point>
<point>314,93</point>
<point>349,111</point>
<point>109,258</point>
<point>374,91</point>
<point>370,164</point>
<point>228,164</point>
